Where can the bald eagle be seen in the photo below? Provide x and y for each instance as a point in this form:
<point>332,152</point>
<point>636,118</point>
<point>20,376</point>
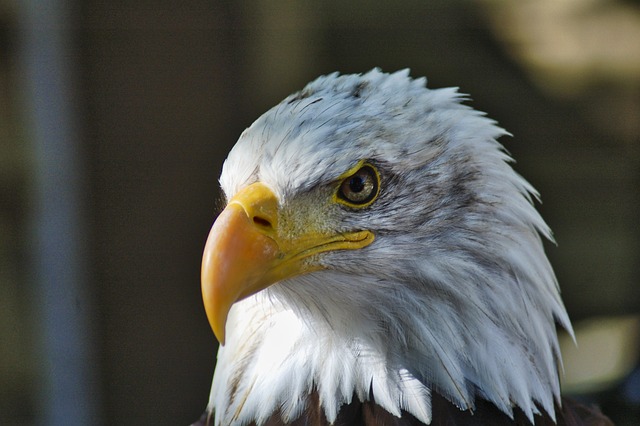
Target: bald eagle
<point>379,262</point>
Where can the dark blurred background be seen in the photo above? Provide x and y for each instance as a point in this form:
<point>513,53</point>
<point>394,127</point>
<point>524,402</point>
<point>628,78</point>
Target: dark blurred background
<point>116,116</point>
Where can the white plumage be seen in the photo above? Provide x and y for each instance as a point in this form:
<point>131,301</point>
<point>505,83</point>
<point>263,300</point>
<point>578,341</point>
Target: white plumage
<point>455,295</point>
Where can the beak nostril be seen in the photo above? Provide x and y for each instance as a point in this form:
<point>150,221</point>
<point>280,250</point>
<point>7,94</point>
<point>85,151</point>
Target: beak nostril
<point>260,221</point>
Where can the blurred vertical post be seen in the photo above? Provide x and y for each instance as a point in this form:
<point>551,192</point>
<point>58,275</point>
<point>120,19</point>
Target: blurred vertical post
<point>69,390</point>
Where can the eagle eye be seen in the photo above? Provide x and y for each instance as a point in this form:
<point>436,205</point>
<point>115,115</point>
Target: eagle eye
<point>359,188</point>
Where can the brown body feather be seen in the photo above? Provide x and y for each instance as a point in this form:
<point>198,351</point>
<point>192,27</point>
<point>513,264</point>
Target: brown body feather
<point>368,413</point>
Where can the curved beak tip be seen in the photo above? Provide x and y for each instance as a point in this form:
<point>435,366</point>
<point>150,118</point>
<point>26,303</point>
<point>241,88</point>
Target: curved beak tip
<point>219,333</point>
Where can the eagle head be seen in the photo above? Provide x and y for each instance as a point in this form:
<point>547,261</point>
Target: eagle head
<point>376,245</point>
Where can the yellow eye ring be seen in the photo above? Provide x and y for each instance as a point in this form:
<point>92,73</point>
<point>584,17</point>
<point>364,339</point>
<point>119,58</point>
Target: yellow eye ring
<point>359,187</point>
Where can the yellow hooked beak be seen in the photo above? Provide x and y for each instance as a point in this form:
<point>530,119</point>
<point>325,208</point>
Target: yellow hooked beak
<point>246,252</point>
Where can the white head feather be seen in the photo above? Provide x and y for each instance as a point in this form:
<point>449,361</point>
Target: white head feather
<point>454,296</point>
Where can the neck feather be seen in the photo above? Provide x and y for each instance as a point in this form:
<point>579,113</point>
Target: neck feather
<point>295,338</point>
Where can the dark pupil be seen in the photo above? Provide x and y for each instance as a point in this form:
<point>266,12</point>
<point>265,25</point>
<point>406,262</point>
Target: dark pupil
<point>356,184</point>
<point>359,188</point>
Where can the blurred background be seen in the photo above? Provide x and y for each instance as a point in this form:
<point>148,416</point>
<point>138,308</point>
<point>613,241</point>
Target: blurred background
<point>116,116</point>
